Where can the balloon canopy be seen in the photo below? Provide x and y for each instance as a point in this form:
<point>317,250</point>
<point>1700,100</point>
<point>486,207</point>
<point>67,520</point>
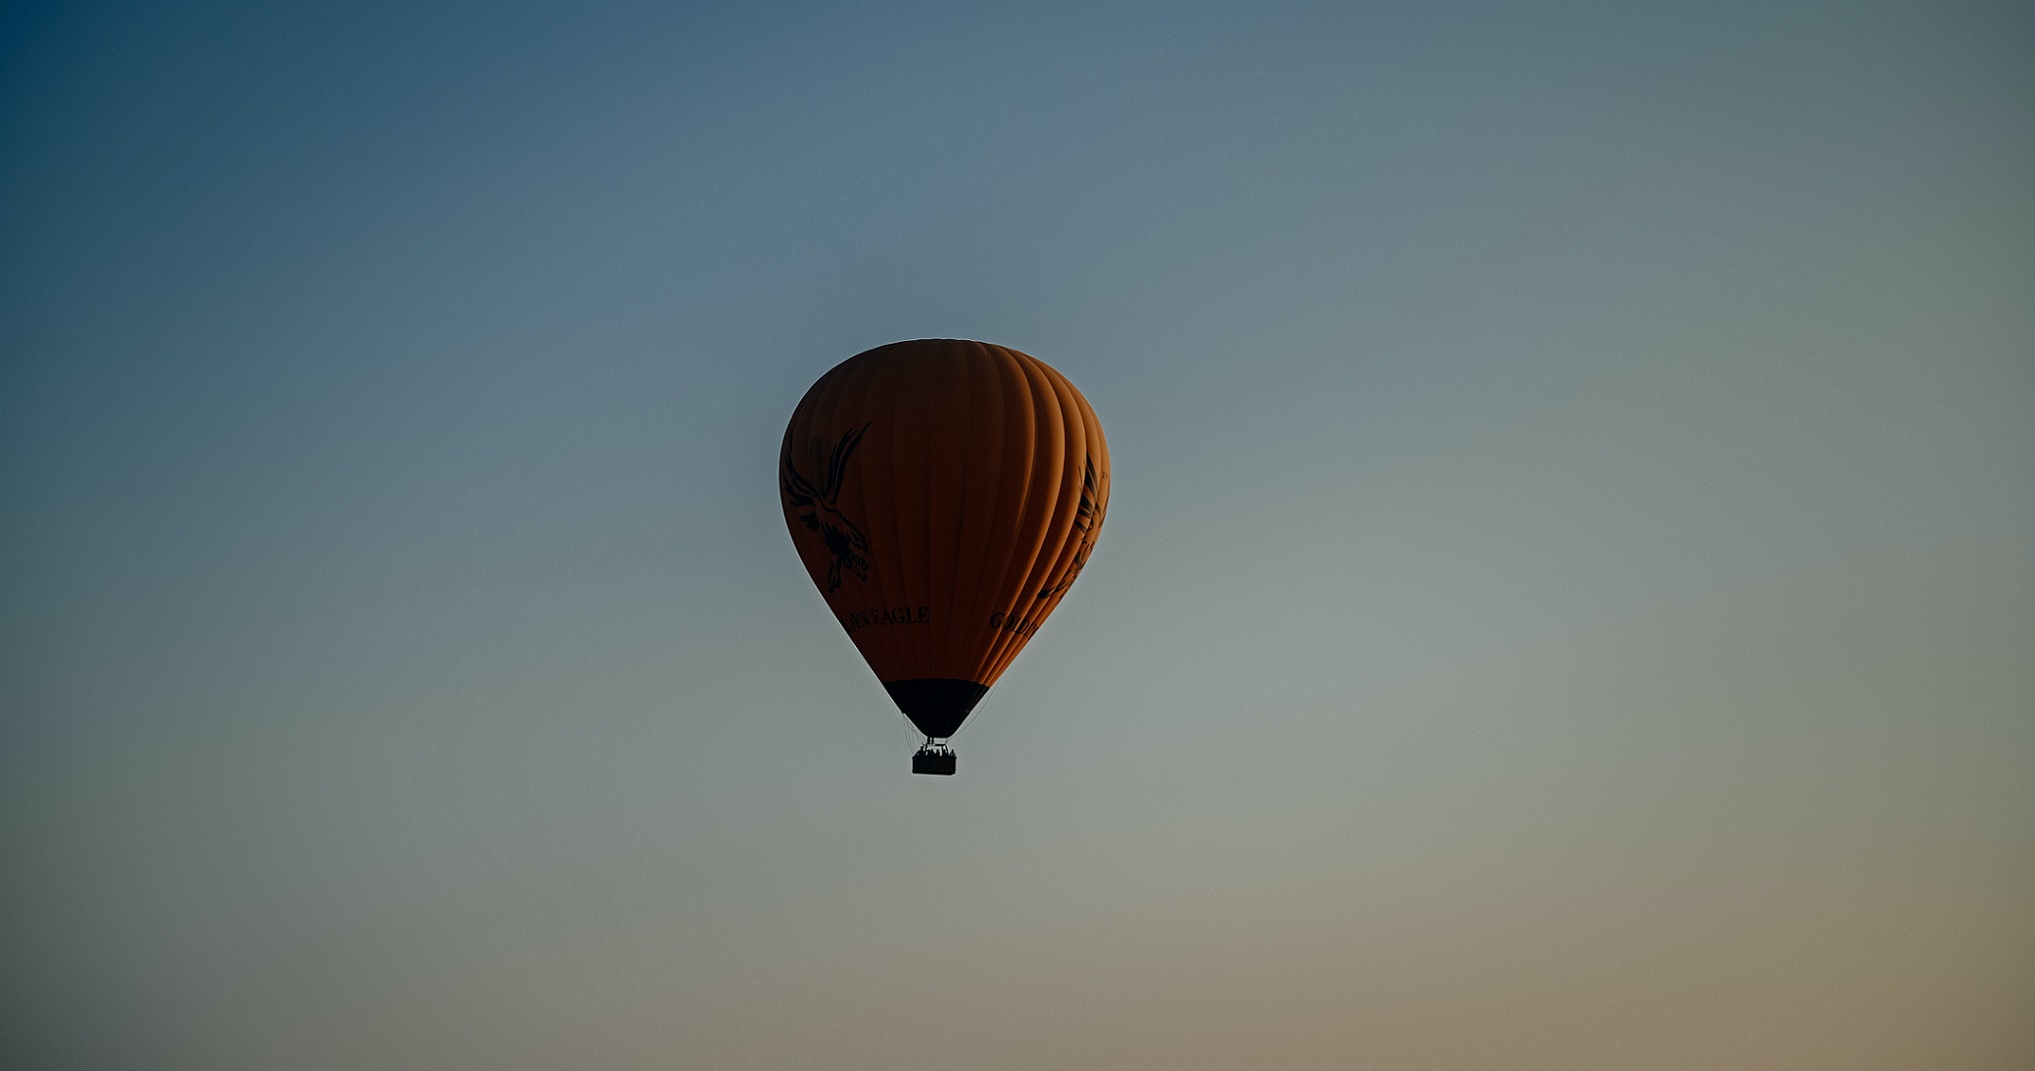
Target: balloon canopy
<point>943,494</point>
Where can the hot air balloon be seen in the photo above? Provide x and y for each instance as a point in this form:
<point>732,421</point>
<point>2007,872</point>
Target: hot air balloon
<point>943,495</point>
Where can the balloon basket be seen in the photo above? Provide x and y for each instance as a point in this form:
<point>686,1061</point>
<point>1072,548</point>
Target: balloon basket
<point>933,760</point>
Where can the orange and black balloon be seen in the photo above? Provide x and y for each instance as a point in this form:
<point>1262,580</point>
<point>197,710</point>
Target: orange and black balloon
<point>943,494</point>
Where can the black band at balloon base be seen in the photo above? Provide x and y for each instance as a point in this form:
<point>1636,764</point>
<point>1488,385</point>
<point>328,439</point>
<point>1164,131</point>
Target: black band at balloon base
<point>937,705</point>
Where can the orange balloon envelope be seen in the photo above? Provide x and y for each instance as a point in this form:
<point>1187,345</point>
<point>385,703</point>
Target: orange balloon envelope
<point>943,494</point>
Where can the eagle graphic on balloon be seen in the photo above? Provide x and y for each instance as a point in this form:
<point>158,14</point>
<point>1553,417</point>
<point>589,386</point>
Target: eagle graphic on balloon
<point>816,509</point>
<point>988,485</point>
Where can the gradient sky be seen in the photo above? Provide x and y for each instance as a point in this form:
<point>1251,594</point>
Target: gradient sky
<point>1568,599</point>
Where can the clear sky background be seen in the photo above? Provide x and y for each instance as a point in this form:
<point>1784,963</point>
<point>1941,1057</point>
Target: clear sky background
<point>1568,600</point>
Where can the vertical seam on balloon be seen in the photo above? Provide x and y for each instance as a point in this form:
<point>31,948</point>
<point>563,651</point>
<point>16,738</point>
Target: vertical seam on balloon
<point>1055,552</point>
<point>818,398</point>
<point>1022,565</point>
<point>901,405</point>
<point>895,389</point>
<point>1016,385</point>
<point>821,420</point>
<point>944,635</point>
<point>1079,418</point>
<point>890,386</point>
<point>1057,534</point>
<point>939,566</point>
<point>967,660</point>
<point>854,399</point>
<point>1048,521</point>
<point>1022,549</point>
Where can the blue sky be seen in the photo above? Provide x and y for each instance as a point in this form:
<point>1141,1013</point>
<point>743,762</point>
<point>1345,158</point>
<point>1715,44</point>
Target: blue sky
<point>1568,598</point>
